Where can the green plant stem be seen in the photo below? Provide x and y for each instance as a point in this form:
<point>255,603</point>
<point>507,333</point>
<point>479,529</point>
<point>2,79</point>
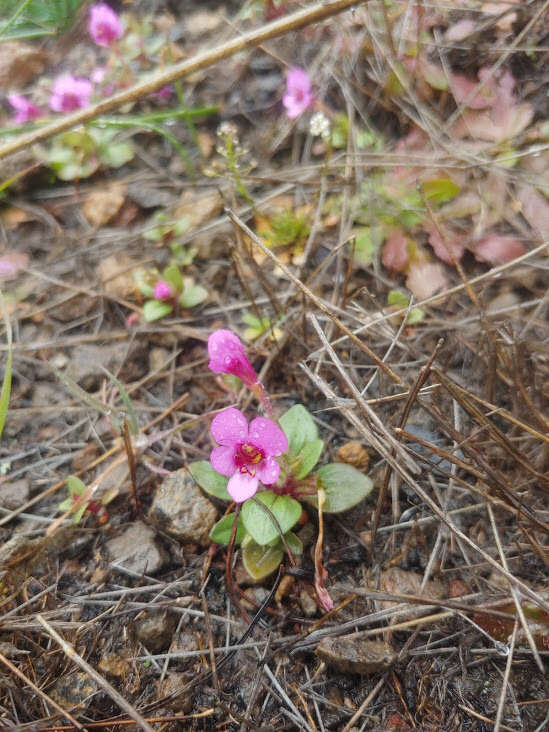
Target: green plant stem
<point>229,570</point>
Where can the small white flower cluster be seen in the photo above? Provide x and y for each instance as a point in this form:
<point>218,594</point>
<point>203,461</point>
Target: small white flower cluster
<point>319,126</point>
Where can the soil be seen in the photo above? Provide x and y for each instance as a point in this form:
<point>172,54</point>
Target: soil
<point>447,416</point>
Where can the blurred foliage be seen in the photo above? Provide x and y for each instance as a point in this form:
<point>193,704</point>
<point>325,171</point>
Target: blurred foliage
<point>21,19</point>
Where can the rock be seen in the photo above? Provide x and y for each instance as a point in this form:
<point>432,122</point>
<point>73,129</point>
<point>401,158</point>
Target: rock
<point>136,550</point>
<point>184,642</point>
<point>172,684</point>
<point>155,630</point>
<point>19,64</point>
<point>355,654</point>
<point>13,495</point>
<point>180,509</point>
<point>158,357</point>
<point>114,665</point>
<point>73,690</point>
<point>104,203</point>
<point>355,454</point>
<point>87,359</point>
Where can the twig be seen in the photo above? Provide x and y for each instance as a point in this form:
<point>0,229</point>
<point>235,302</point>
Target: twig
<point>103,683</point>
<point>277,28</point>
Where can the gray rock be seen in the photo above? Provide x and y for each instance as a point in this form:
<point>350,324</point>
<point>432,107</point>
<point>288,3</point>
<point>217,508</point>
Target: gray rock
<point>87,359</point>
<point>13,495</point>
<point>155,630</point>
<point>180,509</point>
<point>356,654</point>
<point>73,690</point>
<point>136,550</point>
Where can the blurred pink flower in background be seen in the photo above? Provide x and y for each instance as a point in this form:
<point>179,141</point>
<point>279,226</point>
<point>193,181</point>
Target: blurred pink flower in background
<point>298,96</point>
<point>246,454</point>
<point>162,290</point>
<point>105,26</point>
<point>70,93</point>
<point>25,111</point>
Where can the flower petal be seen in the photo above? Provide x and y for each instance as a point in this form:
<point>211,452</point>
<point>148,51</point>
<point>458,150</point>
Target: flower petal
<point>227,356</point>
<point>242,486</point>
<point>268,436</point>
<point>229,427</point>
<point>222,460</point>
<point>268,471</point>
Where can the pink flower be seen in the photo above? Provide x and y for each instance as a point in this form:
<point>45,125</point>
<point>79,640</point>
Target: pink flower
<point>70,94</point>
<point>105,26</point>
<point>98,74</point>
<point>164,94</point>
<point>247,455</point>
<point>298,96</point>
<point>227,356</point>
<point>25,111</point>
<point>162,290</point>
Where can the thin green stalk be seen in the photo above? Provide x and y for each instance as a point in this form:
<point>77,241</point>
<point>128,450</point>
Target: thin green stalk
<point>6,382</point>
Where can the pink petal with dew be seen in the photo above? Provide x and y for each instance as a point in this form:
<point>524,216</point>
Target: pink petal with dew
<point>222,344</point>
<point>268,471</point>
<point>242,486</point>
<point>395,252</point>
<point>498,249</point>
<point>426,279</point>
<point>229,427</point>
<point>222,460</point>
<point>268,436</point>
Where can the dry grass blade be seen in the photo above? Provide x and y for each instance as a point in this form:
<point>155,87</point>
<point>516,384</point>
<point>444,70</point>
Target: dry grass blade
<point>103,683</point>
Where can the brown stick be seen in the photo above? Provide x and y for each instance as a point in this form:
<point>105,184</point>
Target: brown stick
<point>253,38</point>
<point>103,683</point>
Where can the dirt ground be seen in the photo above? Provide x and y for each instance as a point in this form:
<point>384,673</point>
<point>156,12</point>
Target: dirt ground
<point>424,186</point>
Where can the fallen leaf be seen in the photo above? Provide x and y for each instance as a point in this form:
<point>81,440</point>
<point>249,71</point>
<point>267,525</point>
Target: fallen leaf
<point>535,209</point>
<point>443,246</point>
<point>498,249</point>
<point>460,30</point>
<point>117,274</point>
<point>198,206</point>
<point>103,204</point>
<point>396,255</point>
<point>425,279</point>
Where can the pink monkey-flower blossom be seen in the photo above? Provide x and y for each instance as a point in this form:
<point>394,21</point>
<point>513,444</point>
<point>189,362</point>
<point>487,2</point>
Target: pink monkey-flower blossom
<point>227,356</point>
<point>105,26</point>
<point>298,96</point>
<point>70,93</point>
<point>247,454</point>
<point>162,290</point>
<point>25,111</point>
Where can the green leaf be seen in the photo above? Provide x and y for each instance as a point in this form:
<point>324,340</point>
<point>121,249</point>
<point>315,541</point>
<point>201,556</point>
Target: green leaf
<point>294,542</point>
<point>75,485</point>
<point>193,296</point>
<point>77,515</point>
<point>210,481</point>
<point>309,457</point>
<point>364,246</point>
<point>299,428</point>
<point>173,277</point>
<point>395,297</point>
<point>440,190</point>
<point>259,523</point>
<point>345,486</point>
<point>156,309</point>
<point>261,561</point>
<point>116,154</point>
<point>6,381</point>
<point>221,532</point>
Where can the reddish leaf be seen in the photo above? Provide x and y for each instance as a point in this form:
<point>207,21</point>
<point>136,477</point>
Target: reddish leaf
<point>535,209</point>
<point>441,246</point>
<point>498,249</point>
<point>396,255</point>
